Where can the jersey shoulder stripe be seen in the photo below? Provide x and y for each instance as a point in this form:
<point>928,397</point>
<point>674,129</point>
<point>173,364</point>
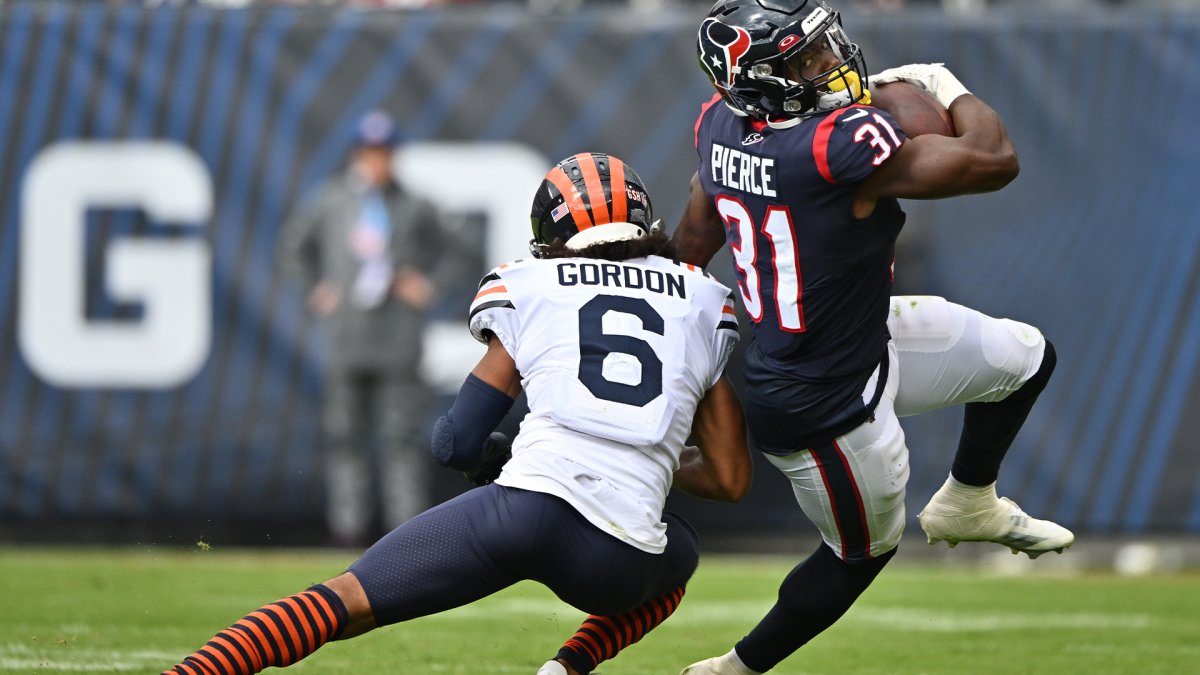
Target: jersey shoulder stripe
<point>491,288</point>
<point>728,315</point>
<point>493,292</point>
<point>716,98</point>
<point>500,304</point>
<point>492,309</point>
<point>821,144</point>
<point>496,296</point>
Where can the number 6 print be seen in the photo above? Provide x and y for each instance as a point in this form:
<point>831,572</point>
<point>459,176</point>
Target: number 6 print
<point>595,345</point>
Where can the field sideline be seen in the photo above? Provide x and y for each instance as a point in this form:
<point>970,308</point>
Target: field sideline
<point>138,610</point>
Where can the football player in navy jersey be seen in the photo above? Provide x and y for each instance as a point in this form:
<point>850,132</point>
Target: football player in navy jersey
<point>801,175</point>
<point>621,352</point>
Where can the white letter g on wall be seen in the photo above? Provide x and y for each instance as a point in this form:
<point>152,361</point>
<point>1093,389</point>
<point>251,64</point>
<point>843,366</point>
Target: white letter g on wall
<point>172,280</point>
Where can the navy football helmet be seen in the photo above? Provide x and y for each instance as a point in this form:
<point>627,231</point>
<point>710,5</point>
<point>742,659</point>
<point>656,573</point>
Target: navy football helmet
<point>768,59</point>
<point>590,198</point>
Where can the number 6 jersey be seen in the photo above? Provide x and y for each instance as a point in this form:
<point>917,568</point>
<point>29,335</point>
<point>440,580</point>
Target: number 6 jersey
<point>614,358</point>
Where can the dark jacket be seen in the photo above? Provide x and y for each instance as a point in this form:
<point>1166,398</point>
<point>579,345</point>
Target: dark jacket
<point>315,246</point>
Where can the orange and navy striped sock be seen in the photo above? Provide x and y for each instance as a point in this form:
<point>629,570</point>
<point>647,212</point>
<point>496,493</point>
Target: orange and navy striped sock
<point>600,637</point>
<point>278,634</point>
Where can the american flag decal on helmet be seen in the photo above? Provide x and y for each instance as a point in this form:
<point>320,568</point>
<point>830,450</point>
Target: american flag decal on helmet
<point>559,211</point>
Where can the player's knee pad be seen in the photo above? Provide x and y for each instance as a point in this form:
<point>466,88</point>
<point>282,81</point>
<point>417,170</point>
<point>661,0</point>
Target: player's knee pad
<point>1011,346</point>
<point>1034,385</point>
<point>1013,351</point>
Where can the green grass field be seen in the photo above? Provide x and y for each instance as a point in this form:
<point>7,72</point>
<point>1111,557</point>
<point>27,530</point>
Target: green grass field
<point>93,610</point>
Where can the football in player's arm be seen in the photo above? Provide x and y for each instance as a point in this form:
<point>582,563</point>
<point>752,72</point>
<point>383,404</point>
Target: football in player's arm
<point>621,352</point>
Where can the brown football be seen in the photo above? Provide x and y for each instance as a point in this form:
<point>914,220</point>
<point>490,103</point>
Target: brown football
<point>917,111</point>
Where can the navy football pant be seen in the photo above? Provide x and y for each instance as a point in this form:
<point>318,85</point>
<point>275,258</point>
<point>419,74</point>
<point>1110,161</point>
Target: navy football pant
<point>492,537</point>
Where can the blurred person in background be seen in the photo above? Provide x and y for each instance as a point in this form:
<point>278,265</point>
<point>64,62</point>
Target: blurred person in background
<point>801,176</point>
<point>622,354</point>
<point>364,249</point>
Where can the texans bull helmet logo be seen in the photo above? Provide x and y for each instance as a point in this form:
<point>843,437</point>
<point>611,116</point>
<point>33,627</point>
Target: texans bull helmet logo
<point>721,48</point>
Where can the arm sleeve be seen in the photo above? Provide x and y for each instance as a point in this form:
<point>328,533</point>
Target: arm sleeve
<point>458,435</point>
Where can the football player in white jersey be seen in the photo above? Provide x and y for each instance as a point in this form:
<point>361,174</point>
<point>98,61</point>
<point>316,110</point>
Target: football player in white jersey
<point>621,353</point>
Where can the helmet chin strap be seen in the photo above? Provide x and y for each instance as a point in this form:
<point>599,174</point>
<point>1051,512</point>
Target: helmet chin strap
<point>603,234</point>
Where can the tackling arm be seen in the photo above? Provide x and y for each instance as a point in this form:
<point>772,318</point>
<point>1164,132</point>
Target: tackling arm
<point>485,398</point>
<point>700,233</point>
<point>718,466</point>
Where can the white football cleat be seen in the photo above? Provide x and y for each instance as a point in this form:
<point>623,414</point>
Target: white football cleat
<point>725,664</point>
<point>552,667</point>
<point>960,512</point>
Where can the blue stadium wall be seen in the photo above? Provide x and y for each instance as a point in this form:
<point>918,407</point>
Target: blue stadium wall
<point>1097,242</point>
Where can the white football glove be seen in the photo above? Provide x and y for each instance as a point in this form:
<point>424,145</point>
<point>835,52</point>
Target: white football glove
<point>934,78</point>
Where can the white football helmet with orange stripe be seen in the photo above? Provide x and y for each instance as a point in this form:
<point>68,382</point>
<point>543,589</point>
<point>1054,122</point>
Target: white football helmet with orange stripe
<point>587,199</point>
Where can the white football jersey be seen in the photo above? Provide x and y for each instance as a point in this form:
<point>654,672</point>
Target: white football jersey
<point>614,357</point>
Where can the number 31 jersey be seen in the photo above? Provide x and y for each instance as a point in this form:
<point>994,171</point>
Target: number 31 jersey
<point>814,279</point>
<point>614,358</point>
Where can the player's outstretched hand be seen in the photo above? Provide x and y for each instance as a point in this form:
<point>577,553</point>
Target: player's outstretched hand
<point>497,450</point>
<point>934,78</point>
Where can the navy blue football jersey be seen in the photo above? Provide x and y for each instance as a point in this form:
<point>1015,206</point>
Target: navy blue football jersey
<point>814,280</point>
